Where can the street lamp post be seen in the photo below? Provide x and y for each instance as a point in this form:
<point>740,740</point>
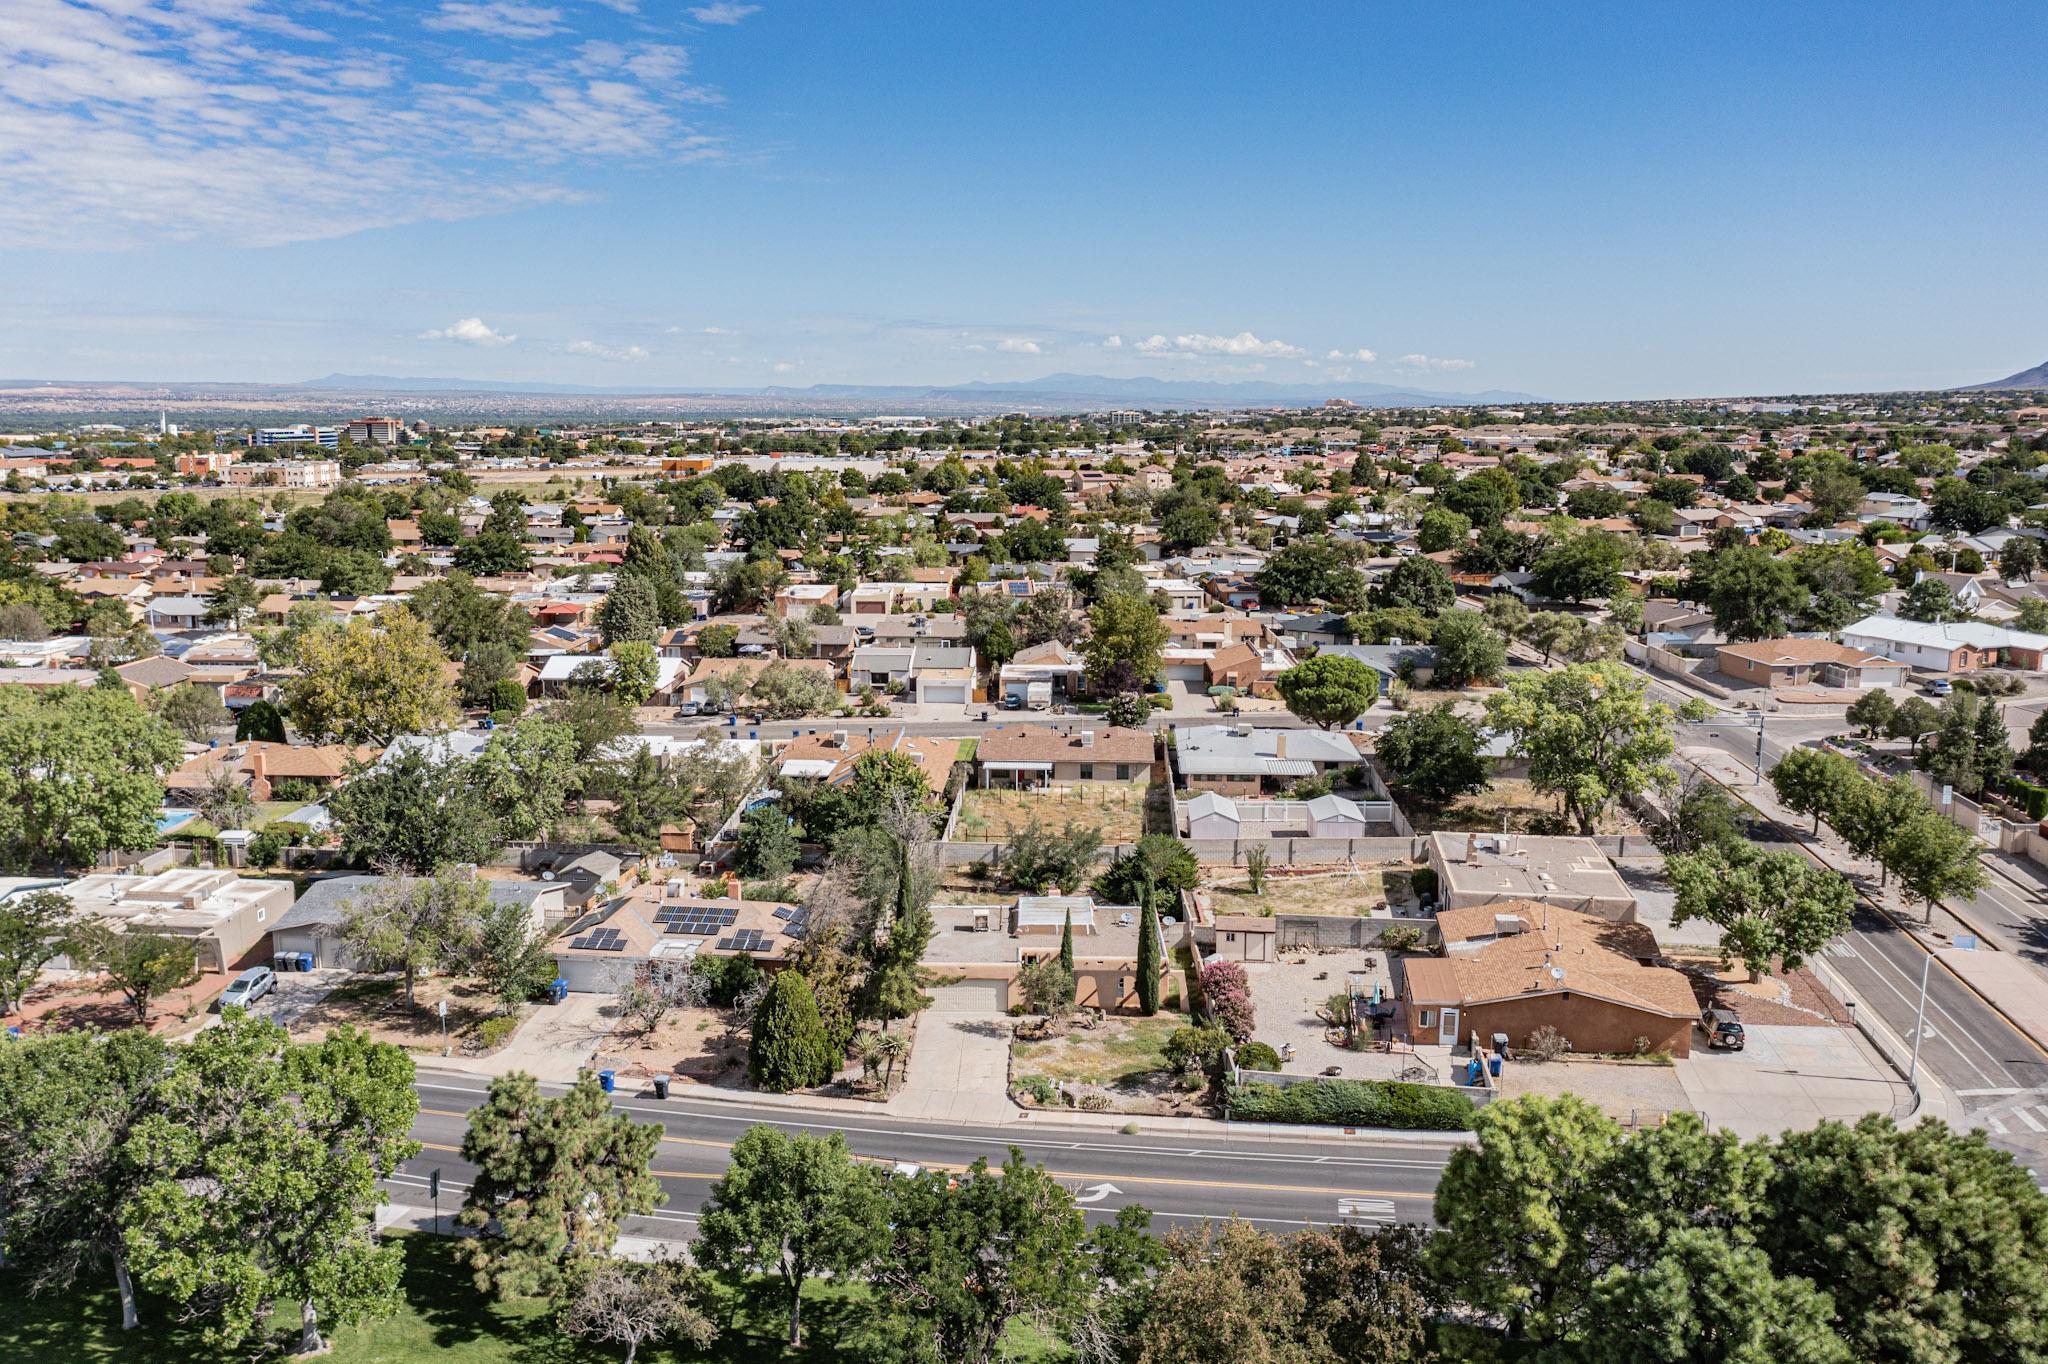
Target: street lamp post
<point>1919,1017</point>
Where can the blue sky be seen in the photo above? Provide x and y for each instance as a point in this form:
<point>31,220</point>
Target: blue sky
<point>1575,200</point>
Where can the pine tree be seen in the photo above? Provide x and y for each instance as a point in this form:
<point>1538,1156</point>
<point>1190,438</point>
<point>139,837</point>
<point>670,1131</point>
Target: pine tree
<point>790,1049</point>
<point>1148,959</point>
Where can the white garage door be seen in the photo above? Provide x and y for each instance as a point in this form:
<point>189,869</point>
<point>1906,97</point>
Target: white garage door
<point>944,693</point>
<point>971,997</point>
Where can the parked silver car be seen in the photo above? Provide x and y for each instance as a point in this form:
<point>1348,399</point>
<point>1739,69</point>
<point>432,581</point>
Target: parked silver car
<point>249,987</point>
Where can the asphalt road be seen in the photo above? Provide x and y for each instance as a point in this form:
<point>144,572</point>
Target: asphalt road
<point>1279,1184</point>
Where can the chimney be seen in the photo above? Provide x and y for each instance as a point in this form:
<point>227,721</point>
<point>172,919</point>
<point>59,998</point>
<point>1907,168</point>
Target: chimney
<point>1471,850</point>
<point>1280,744</point>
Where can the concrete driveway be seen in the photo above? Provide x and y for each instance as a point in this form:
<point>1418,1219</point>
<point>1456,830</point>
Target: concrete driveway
<point>959,1068</point>
<point>1790,1078</point>
<point>554,1043</point>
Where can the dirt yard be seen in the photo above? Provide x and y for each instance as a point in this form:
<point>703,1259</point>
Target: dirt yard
<point>1119,1066</point>
<point>700,1046</point>
<point>80,1002</point>
<point>1116,809</point>
<point>376,1004</point>
<point>1340,894</point>
<point>1527,811</point>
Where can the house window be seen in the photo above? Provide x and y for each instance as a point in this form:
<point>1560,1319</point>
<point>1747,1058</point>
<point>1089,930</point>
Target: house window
<point>1123,771</point>
<point>1427,1018</point>
<point>1230,937</point>
<point>1087,771</point>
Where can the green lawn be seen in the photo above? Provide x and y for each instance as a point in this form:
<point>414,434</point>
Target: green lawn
<point>445,1319</point>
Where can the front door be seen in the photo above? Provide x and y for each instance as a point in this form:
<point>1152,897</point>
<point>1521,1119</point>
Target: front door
<point>1447,1028</point>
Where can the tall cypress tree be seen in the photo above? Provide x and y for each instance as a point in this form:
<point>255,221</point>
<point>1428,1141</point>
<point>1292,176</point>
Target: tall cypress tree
<point>1148,959</point>
<point>1067,954</point>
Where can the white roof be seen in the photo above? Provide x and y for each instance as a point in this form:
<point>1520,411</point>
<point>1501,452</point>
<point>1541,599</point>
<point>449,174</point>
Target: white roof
<point>1976,634</point>
<point>1335,807</point>
<point>1209,803</point>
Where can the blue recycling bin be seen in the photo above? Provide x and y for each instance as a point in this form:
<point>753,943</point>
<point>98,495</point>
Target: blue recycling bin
<point>1493,1066</point>
<point>305,961</point>
<point>1472,1072</point>
<point>605,1078</point>
<point>558,990</point>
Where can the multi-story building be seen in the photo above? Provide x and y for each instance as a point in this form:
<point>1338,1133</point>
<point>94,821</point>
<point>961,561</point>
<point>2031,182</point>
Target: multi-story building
<point>375,431</point>
<point>203,463</point>
<point>302,434</point>
<point>286,473</point>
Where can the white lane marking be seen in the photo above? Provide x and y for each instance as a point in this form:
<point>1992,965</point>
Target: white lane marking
<point>2029,1119</point>
<point>1987,1093</point>
<point>1909,998</point>
<point>1096,1193</point>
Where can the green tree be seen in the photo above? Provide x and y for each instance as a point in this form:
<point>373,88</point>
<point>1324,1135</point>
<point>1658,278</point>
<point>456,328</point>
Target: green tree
<point>1441,529</point>
<point>2018,560</point>
<point>766,847</point>
<point>141,966</point>
<point>636,670</point>
<point>1872,712</point>
<point>113,755</point>
<point>554,1179</point>
<point>1067,943</point>
<point>1159,864</point>
<point>1914,719</point>
<point>523,778</point>
<point>1512,1212</point>
<point>33,932</point>
<point>786,692</point>
<point>1434,754</point>
<point>1771,907</point>
<point>1929,599</point>
<point>1707,1298</point>
<point>1590,734</point>
<point>1417,584</point>
<point>718,641</point>
<point>259,720</point>
<point>1125,640</point>
<point>68,1104</point>
<point>1310,569</point>
<point>234,600</point>
<point>1812,781</point>
<point>795,1205</point>
<point>192,710</point>
<point>789,1049</point>
<point>968,1257</point>
<point>1227,1292</point>
<point>369,682</point>
<point>1329,690</point>
<point>631,611</point>
<point>1584,568</point>
<point>1933,857</point>
<point>417,810</point>
<point>1467,650</point>
<point>1929,1242</point>
<point>266,1161</point>
<point>1751,593</point>
<point>1971,749</point>
<point>412,926</point>
<point>1148,958</point>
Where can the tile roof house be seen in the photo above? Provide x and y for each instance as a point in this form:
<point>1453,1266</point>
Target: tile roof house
<point>1032,755</point>
<point>831,757</point>
<point>1514,966</point>
<point>1792,662</point>
<point>260,764</point>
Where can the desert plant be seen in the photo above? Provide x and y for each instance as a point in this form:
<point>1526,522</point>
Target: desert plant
<point>1546,1044</point>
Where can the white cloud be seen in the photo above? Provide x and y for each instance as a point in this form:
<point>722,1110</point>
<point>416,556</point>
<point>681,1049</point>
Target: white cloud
<point>624,354</point>
<point>722,12</point>
<point>1419,361</point>
<point>1017,345</point>
<point>1112,343</point>
<point>783,367</point>
<point>173,104</point>
<point>470,331</point>
<point>1201,343</point>
<point>496,18</point>
<point>1363,356</point>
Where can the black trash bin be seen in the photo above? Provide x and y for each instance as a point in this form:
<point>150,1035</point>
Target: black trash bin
<point>661,1086</point>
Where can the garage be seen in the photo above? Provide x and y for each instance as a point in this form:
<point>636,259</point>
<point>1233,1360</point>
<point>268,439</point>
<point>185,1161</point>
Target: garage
<point>943,693</point>
<point>594,975</point>
<point>972,997</point>
<point>327,950</point>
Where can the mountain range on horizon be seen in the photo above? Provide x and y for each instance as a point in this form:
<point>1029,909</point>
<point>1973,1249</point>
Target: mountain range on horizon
<point>1094,388</point>
<point>2037,377</point>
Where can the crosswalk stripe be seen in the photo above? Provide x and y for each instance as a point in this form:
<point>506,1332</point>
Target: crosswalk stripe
<point>1996,1126</point>
<point>2029,1119</point>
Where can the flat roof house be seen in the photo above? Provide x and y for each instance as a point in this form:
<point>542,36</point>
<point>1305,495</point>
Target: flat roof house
<point>1482,869</point>
<point>224,915</point>
<point>1238,760</point>
<point>1516,966</point>
<point>981,949</point>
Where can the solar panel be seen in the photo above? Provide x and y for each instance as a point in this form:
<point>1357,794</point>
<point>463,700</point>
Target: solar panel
<point>746,940</point>
<point>601,940</point>
<point>784,912</point>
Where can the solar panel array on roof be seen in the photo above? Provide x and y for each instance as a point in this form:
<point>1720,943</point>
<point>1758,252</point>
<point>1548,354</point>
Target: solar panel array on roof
<point>746,940</point>
<point>601,940</point>
<point>695,920</point>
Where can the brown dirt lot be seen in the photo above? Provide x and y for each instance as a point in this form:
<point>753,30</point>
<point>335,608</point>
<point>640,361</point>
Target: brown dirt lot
<point>1117,1066</point>
<point>376,1004</point>
<point>701,1046</point>
<point>1527,809</point>
<point>1334,893</point>
<point>1115,809</point>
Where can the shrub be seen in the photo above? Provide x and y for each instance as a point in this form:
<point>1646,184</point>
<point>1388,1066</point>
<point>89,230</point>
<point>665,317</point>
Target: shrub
<point>1038,1089</point>
<point>494,1030</point>
<point>1095,1103</point>
<point>1401,938</point>
<point>1188,1050</point>
<point>1422,881</point>
<point>1352,1103</point>
<point>1257,1056</point>
<point>1227,998</point>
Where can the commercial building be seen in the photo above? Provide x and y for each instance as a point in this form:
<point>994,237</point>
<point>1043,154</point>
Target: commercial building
<point>328,436</point>
<point>375,431</point>
<point>285,473</point>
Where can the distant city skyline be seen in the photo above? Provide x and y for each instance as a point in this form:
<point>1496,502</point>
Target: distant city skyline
<point>1575,201</point>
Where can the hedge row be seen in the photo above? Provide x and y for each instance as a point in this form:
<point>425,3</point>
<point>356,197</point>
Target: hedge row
<point>1351,1103</point>
<point>2033,799</point>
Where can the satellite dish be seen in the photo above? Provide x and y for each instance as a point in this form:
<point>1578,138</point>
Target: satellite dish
<point>547,876</point>
<point>1557,973</point>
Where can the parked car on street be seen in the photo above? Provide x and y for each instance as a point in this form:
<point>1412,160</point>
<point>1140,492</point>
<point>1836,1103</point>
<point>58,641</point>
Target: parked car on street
<point>1940,686</point>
